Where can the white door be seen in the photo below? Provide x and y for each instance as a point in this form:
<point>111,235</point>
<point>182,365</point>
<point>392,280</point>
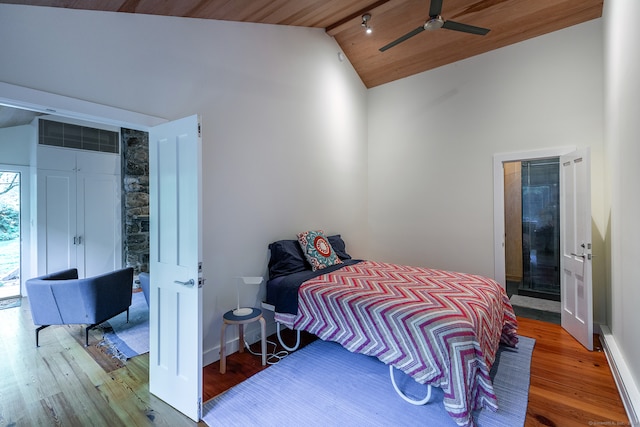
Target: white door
<point>575,242</point>
<point>79,211</point>
<point>57,239</point>
<point>175,357</point>
<point>99,229</point>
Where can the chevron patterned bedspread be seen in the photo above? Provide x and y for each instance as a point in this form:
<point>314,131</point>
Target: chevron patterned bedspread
<point>442,328</point>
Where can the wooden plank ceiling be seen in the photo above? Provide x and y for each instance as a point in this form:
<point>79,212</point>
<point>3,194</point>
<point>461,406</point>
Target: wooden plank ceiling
<point>510,21</point>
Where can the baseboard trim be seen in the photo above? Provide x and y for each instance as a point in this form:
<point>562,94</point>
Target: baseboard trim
<point>628,389</point>
<point>252,335</point>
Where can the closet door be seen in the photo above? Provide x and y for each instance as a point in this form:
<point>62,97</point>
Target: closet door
<point>99,217</point>
<point>79,211</point>
<point>56,220</point>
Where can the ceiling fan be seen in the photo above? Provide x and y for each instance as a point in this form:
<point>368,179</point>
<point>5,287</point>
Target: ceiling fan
<point>436,22</point>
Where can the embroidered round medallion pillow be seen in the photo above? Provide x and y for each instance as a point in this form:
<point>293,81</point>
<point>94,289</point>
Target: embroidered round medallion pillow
<point>317,249</point>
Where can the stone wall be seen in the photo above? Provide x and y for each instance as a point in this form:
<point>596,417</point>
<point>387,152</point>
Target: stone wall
<point>135,199</point>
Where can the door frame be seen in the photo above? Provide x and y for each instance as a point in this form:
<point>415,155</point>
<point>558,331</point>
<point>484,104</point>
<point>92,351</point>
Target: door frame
<point>57,105</point>
<point>62,106</point>
<point>25,222</point>
<point>499,271</point>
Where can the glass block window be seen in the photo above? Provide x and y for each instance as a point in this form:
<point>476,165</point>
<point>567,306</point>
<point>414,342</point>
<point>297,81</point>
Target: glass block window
<point>80,137</point>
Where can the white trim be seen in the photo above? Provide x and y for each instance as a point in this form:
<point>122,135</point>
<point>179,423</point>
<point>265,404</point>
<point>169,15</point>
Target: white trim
<point>25,222</point>
<point>212,354</point>
<point>498,200</point>
<point>49,103</point>
<point>628,389</point>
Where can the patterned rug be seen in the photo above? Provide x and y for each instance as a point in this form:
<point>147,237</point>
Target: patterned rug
<point>96,350</point>
<point>325,385</point>
<point>124,340</point>
<point>111,343</point>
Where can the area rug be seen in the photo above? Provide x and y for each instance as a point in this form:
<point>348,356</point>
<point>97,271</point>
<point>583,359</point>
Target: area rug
<point>10,303</point>
<point>102,354</point>
<point>126,340</point>
<point>325,385</point>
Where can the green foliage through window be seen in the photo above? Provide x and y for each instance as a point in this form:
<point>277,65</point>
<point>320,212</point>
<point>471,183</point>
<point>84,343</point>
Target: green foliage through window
<point>9,205</point>
<point>9,223</point>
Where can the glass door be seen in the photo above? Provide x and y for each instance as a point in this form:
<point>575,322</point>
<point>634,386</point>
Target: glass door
<point>541,228</point>
<point>9,234</point>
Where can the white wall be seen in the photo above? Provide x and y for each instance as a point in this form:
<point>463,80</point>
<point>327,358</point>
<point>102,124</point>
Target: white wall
<point>432,138</point>
<point>623,152</point>
<point>285,133</point>
<point>15,145</point>
<point>284,121</point>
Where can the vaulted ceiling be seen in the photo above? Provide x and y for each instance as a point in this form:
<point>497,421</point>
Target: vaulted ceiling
<point>509,21</point>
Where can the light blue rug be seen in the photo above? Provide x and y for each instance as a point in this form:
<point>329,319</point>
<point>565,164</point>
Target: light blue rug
<point>126,340</point>
<point>325,385</point>
<point>10,302</point>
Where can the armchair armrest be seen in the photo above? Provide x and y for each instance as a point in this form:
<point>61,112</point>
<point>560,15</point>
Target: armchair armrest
<point>42,299</point>
<point>61,298</point>
<point>144,284</point>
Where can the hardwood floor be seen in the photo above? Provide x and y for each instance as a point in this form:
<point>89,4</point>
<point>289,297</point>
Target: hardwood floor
<point>61,383</point>
<point>570,386</point>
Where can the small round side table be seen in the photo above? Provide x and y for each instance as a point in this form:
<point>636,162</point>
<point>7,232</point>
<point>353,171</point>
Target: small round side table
<point>231,319</point>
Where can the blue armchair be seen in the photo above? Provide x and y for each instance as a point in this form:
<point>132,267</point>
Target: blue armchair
<point>63,299</point>
<point>144,284</point>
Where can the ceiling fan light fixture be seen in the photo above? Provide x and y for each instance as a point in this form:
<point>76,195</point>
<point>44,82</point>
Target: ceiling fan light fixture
<point>365,23</point>
<point>435,23</point>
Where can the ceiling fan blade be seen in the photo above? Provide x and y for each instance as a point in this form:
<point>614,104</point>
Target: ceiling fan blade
<point>456,26</point>
<point>436,8</point>
<point>403,38</point>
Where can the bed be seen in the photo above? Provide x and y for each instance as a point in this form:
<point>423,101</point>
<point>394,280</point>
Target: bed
<point>442,328</point>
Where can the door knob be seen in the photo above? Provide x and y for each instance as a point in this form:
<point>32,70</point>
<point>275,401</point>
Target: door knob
<point>189,283</point>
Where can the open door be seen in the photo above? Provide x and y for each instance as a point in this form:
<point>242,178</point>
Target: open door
<point>175,314</point>
<point>575,242</point>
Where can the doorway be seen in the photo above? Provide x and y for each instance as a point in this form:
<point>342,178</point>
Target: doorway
<point>574,311</point>
<point>506,202</point>
<point>86,111</point>
<point>532,228</point>
<point>10,249</point>
<point>532,237</point>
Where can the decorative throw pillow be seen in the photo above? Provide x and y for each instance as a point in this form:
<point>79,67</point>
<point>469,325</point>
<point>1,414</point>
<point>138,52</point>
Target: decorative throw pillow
<point>286,258</point>
<point>317,249</point>
<point>339,247</point>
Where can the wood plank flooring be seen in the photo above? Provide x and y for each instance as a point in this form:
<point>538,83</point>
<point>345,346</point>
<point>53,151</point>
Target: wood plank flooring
<point>60,383</point>
<point>570,386</point>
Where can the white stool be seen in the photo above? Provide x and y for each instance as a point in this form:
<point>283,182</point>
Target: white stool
<point>231,319</point>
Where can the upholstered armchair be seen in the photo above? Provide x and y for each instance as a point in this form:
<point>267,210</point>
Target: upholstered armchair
<point>62,298</point>
<point>144,284</point>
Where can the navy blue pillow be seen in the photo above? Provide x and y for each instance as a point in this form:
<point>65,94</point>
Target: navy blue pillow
<point>339,246</point>
<point>287,257</point>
